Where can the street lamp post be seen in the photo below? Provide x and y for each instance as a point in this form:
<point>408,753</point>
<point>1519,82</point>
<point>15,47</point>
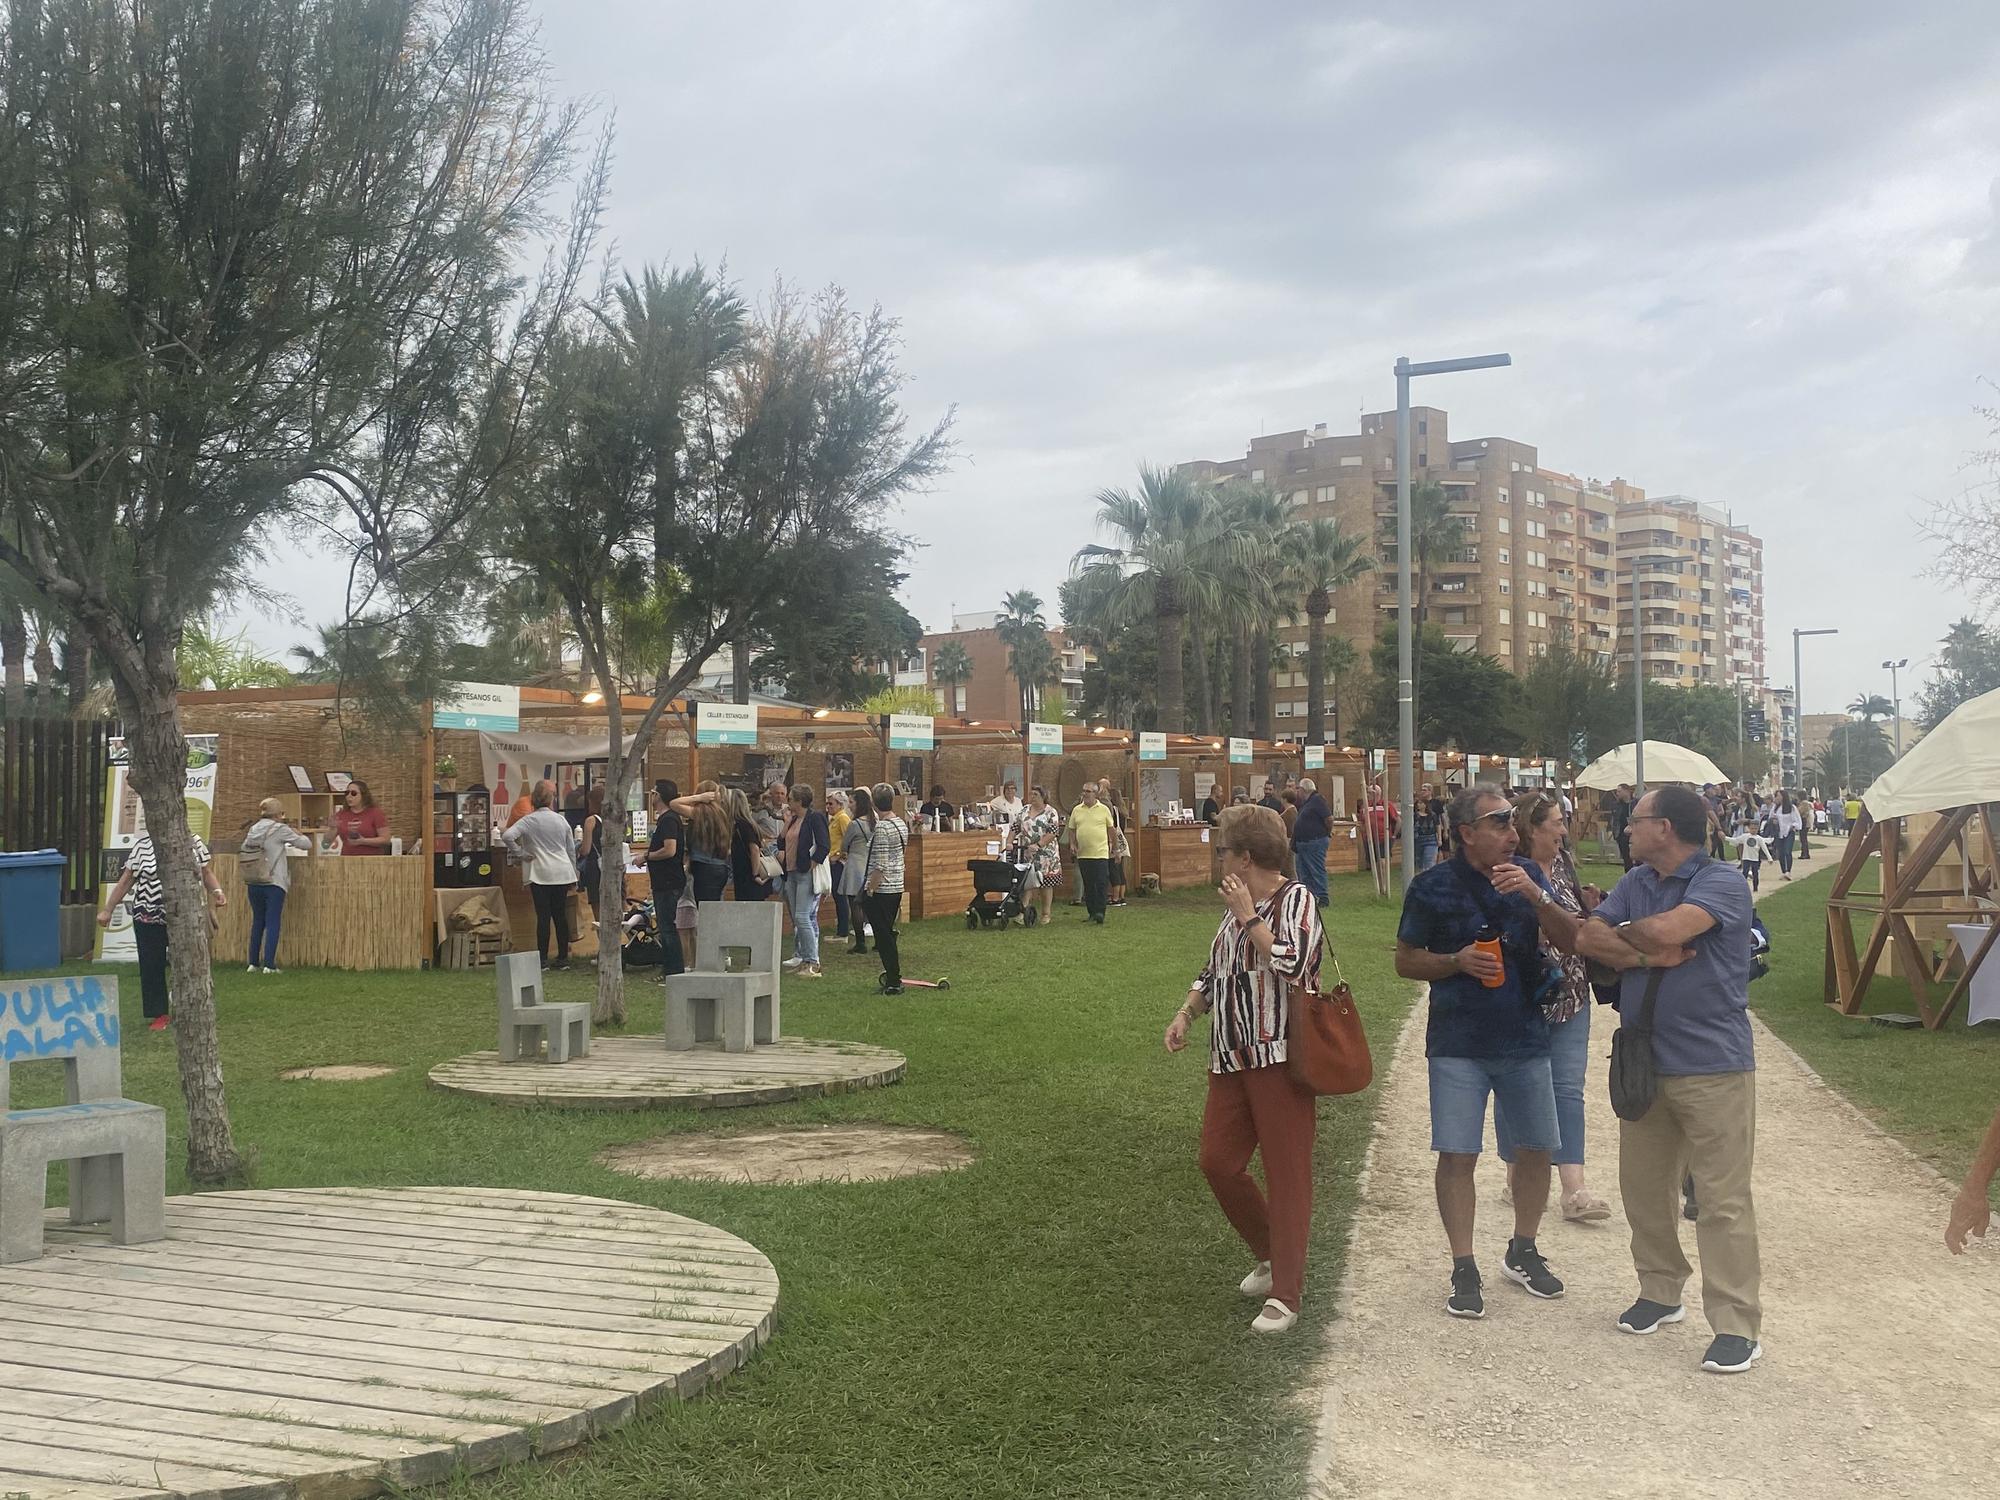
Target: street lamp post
<point>1799,708</point>
<point>1406,699</point>
<point>1896,699</point>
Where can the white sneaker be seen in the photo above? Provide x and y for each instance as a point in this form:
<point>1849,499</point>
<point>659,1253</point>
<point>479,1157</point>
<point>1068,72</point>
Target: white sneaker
<point>253,969</point>
<point>1258,1282</point>
<point>793,963</point>
<point>1275,1318</point>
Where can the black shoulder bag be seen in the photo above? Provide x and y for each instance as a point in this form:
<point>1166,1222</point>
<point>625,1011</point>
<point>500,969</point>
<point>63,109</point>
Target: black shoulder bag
<point>1634,1076</point>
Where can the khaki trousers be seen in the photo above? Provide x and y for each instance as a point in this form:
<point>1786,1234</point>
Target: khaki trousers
<point>1705,1124</point>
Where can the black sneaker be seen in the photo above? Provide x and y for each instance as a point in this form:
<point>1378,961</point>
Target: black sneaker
<point>1731,1354</point>
<point>1524,1263</point>
<point>1465,1301</point>
<point>892,989</point>
<point>1646,1317</point>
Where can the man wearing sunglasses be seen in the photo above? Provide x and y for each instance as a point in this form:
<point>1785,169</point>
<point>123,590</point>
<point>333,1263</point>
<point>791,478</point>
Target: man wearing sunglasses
<point>1689,915</point>
<point>1487,1036</point>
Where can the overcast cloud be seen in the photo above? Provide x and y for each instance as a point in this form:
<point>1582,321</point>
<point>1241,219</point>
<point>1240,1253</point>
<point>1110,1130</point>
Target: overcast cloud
<point>1747,253</point>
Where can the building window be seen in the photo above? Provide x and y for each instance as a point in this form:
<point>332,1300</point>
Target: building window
<point>1505,555</point>
<point>1256,476</point>
<point>1506,616</point>
<point>1505,648</point>
<point>1506,587</point>
<point>1506,523</point>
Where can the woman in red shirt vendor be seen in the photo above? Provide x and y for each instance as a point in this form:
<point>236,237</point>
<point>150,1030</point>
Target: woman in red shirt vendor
<point>359,824</point>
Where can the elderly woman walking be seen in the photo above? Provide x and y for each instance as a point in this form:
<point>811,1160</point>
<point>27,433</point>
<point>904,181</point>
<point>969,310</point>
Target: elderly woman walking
<point>1269,940</point>
<point>1037,834</point>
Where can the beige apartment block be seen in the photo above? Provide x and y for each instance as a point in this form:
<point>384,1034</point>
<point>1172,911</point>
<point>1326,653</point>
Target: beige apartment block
<point>1546,552</point>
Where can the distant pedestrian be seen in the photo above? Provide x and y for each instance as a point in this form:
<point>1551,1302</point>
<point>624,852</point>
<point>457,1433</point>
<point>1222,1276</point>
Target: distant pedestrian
<point>803,848</point>
<point>854,842</point>
<point>1752,849</point>
<point>1620,818</point>
<point>1121,844</point>
<point>888,843</point>
<point>1480,949</point>
<point>1786,816</point>
<point>1425,816</point>
<point>140,879</point>
<point>541,842</point>
<point>1690,917</point>
<point>1089,834</point>
<point>1269,940</point>
<point>267,879</point>
<point>1311,833</point>
<point>1037,833</point>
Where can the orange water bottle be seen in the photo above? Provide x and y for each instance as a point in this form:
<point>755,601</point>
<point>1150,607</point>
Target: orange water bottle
<point>1488,941</point>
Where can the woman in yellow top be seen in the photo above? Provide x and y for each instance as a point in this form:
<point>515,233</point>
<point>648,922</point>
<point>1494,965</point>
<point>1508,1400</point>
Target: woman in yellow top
<point>1089,837</point>
<point>837,819</point>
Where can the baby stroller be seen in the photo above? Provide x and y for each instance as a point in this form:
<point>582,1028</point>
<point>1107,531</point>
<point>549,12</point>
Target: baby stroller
<point>639,943</point>
<point>999,894</point>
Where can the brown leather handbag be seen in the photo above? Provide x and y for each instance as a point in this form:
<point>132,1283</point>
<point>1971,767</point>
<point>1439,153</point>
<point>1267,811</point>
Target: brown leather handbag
<point>1325,1048</point>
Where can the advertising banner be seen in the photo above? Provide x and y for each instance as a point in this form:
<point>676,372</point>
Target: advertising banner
<point>125,822</point>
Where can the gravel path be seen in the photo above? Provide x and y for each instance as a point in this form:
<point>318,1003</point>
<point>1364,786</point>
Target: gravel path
<point>1881,1359</point>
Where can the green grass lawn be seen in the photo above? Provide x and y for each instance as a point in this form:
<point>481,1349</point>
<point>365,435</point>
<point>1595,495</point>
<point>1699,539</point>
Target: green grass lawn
<point>1059,1319</point>
<point>1936,1091</point>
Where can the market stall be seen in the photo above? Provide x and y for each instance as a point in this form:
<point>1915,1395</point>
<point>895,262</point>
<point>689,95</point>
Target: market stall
<point>342,913</point>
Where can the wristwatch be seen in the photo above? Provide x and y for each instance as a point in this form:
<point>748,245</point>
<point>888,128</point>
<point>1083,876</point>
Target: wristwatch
<point>1544,898</point>
<point>1253,920</point>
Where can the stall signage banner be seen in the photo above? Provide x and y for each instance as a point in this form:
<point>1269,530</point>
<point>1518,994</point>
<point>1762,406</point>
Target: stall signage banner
<point>1430,760</point>
<point>1045,739</point>
<point>125,823</point>
<point>725,723</point>
<point>1239,752</point>
<point>1152,746</point>
<point>1549,769</point>
<point>1379,759</point>
<point>1315,757</point>
<point>1471,769</point>
<point>491,706</point>
<point>912,732</point>
<point>1513,768</point>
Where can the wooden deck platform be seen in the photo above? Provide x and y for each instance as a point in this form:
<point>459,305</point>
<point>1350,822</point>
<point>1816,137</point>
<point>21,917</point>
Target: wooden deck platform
<point>638,1072</point>
<point>329,1343</point>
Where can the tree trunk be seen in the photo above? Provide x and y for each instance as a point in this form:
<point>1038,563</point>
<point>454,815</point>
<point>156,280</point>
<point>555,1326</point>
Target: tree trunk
<point>45,672</point>
<point>158,752</point>
<point>1315,685</point>
<point>1172,708</point>
<point>1198,647</point>
<point>610,1007</point>
<point>14,653</point>
<point>1239,684</point>
<point>77,666</point>
<point>739,664</point>
<point>1261,688</point>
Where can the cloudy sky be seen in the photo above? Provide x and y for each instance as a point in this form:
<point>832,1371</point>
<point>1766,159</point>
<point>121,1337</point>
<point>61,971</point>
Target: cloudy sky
<point>1743,252</point>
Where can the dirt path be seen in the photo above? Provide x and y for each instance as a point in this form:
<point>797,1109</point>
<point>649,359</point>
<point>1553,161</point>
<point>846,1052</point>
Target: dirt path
<point>1881,1359</point>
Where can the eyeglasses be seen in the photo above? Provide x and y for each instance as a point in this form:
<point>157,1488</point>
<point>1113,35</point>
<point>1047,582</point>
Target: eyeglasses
<point>1497,819</point>
<point>1648,818</point>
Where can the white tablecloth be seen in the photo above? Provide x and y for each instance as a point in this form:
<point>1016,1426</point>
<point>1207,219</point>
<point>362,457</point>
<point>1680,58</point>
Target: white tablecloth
<point>1983,997</point>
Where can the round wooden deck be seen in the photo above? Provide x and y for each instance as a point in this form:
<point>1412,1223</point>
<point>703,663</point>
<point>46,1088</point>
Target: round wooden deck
<point>638,1072</point>
<point>328,1343</point>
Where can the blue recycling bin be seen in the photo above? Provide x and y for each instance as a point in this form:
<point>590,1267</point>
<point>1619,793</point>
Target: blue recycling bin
<point>30,901</point>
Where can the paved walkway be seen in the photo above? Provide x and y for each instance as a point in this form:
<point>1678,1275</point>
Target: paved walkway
<point>1881,1359</point>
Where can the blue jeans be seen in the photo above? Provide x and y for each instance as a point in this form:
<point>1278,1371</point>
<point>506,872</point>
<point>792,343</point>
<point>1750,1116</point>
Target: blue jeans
<point>803,903</point>
<point>1311,858</point>
<point>1459,1086</point>
<point>1569,1056</point>
<point>1427,851</point>
<point>267,915</point>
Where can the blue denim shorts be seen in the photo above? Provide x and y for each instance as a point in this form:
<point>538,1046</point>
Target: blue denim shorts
<point>1521,1085</point>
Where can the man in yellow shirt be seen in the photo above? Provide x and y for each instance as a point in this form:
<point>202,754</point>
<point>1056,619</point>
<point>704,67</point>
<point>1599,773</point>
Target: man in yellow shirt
<point>1089,838</point>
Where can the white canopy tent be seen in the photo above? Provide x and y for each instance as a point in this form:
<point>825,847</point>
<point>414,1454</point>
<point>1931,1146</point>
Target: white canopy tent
<point>1956,764</point>
<point>1664,762</point>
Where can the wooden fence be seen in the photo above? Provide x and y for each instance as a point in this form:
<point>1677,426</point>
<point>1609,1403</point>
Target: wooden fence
<point>52,774</point>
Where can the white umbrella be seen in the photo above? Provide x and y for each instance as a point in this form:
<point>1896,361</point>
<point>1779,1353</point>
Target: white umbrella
<point>1664,762</point>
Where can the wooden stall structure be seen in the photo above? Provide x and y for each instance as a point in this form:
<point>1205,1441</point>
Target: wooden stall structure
<point>1932,823</point>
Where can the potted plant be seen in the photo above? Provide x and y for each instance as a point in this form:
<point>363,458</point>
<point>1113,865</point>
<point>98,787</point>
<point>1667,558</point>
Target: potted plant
<point>447,774</point>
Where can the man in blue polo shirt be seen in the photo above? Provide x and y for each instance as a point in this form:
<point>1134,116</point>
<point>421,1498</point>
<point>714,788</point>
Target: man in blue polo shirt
<point>1680,911</point>
<point>1310,835</point>
<point>1484,1039</point>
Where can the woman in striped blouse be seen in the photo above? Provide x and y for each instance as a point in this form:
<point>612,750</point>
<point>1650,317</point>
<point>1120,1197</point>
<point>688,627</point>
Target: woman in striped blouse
<point>1269,940</point>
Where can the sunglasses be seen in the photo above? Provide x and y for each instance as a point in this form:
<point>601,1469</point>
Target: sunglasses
<point>1496,820</point>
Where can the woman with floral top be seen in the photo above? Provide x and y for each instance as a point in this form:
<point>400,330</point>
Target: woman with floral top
<point>1036,833</point>
<point>141,880</point>
<point>1539,824</point>
<point>1269,941</point>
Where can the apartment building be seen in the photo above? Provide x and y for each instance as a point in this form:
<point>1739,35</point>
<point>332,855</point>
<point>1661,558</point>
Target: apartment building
<point>1696,581</point>
<point>990,692</point>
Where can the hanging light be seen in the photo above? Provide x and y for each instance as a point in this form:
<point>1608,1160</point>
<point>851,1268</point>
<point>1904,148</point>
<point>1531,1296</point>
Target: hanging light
<point>821,713</point>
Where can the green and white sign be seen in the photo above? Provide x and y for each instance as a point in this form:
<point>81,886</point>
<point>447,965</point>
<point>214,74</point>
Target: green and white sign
<point>1152,746</point>
<point>1315,757</point>
<point>1430,760</point>
<point>1044,739</point>
<point>1239,752</point>
<point>911,732</point>
<point>725,723</point>
<point>1379,759</point>
<point>1471,769</point>
<point>490,706</point>
<point>1549,769</point>
<point>1513,768</point>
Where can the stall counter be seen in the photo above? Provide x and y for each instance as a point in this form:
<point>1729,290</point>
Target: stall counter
<point>343,912</point>
<point>936,882</point>
<point>1178,853</point>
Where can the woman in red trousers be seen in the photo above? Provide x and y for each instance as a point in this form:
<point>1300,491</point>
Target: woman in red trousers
<point>1269,940</point>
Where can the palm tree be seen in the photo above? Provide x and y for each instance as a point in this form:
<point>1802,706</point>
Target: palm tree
<point>1342,657</point>
<point>1871,706</point>
<point>14,656</point>
<point>1319,559</point>
<point>1435,534</point>
<point>951,665</point>
<point>1250,599</point>
<point>1025,633</point>
<point>1170,536</point>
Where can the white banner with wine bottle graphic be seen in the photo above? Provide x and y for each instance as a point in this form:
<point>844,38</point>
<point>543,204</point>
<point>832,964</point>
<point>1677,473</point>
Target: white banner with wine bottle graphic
<point>511,764</point>
<point>125,824</point>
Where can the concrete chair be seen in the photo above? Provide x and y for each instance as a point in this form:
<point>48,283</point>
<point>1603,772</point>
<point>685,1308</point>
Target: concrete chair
<point>739,1007</point>
<point>116,1148</point>
<point>525,1017</point>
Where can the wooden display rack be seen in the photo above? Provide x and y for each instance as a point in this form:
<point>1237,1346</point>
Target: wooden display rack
<point>1903,903</point>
